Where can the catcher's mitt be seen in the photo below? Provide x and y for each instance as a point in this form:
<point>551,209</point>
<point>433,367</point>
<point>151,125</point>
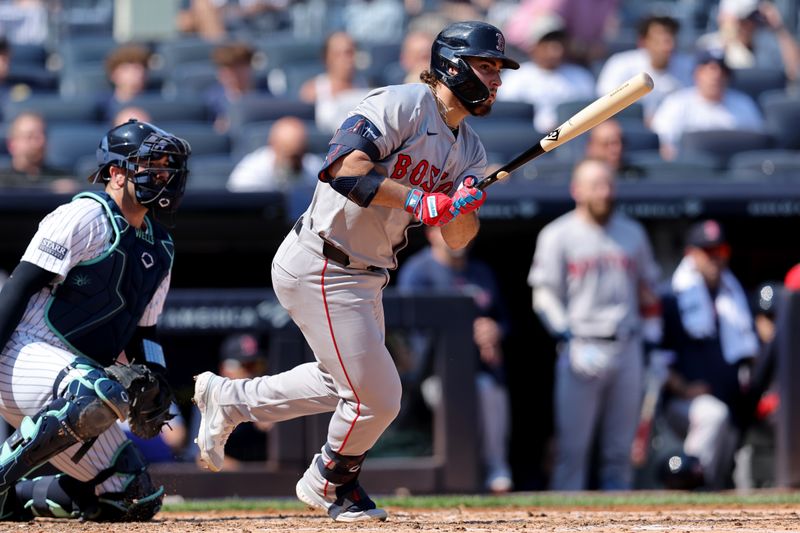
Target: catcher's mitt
<point>150,397</point>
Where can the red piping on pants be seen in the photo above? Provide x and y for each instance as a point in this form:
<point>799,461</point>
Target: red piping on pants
<point>341,363</point>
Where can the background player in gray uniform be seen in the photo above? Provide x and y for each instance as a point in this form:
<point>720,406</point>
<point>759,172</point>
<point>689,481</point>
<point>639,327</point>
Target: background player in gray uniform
<point>89,287</point>
<point>403,155</point>
<point>592,273</point>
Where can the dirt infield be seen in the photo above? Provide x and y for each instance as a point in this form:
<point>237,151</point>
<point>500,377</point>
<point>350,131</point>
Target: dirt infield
<point>694,519</point>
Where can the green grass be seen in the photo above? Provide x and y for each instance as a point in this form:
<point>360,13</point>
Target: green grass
<point>538,499</point>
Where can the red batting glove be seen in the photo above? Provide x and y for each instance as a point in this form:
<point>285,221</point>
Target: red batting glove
<point>432,209</point>
<point>467,198</point>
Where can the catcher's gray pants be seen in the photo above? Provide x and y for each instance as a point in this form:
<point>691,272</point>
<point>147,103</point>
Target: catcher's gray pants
<point>340,312</point>
<point>609,402</point>
<point>709,435</point>
<point>28,371</point>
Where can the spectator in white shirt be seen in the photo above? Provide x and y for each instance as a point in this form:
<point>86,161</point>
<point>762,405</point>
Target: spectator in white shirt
<point>547,80</point>
<point>655,55</point>
<point>281,164</point>
<point>709,105</point>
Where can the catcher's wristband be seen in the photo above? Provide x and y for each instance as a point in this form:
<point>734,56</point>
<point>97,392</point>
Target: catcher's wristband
<point>414,201</point>
<point>153,352</point>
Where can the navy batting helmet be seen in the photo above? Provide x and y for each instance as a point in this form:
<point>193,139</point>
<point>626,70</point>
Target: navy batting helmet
<point>133,143</point>
<point>461,40</point>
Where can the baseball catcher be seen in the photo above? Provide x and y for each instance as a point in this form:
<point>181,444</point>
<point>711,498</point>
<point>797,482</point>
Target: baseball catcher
<point>78,338</point>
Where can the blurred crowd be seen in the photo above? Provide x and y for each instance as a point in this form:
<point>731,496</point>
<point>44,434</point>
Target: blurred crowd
<point>258,87</point>
<point>226,74</point>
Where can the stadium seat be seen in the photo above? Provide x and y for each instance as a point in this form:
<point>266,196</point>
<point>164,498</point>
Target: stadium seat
<point>77,51</point>
<point>254,135</point>
<point>28,55</point>
<point>722,144</point>
<point>53,108</point>
<point>170,54</point>
<point>761,164</point>
<point>36,77</point>
<point>258,108</point>
<point>204,139</point>
<point>286,80</point>
<point>782,115</point>
<point>280,50</point>
<point>209,172</point>
<point>182,108</point>
<point>504,110</point>
<point>376,57</point>
<point>193,78</point>
<point>91,79</point>
<point>632,113</point>
<point>67,143</point>
<point>506,137</point>
<point>756,81</point>
<point>83,80</point>
<point>689,167</point>
<point>636,137</point>
<point>545,168</point>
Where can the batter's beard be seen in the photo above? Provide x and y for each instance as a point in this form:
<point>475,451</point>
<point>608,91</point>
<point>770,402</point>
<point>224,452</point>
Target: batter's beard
<point>479,110</point>
<point>601,216</point>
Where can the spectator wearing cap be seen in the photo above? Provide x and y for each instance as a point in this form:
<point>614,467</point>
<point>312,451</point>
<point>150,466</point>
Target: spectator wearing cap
<point>655,55</point>
<point>752,34</point>
<point>710,336</point>
<point>235,79</point>
<point>708,105</point>
<point>547,80</point>
<point>241,357</point>
<point>127,68</point>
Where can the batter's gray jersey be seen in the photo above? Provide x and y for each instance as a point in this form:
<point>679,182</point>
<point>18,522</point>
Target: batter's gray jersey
<point>416,149</point>
<point>595,270</point>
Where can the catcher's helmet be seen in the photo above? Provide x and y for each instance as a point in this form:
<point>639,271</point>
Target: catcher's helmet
<point>134,142</point>
<point>467,39</point>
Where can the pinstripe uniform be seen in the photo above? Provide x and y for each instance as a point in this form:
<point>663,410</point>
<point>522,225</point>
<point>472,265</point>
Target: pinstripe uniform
<point>34,356</point>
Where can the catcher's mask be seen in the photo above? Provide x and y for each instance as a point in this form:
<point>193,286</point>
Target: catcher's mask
<point>156,159</point>
<point>459,41</point>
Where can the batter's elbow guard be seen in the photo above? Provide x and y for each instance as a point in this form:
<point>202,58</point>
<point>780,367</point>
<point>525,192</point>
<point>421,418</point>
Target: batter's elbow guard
<point>358,189</point>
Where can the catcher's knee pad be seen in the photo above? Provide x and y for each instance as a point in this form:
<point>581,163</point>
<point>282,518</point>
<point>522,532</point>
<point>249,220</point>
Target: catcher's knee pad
<point>88,406</point>
<point>62,496</point>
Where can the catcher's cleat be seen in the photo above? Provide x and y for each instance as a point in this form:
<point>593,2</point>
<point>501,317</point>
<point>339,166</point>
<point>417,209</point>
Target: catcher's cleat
<point>214,427</point>
<point>345,503</point>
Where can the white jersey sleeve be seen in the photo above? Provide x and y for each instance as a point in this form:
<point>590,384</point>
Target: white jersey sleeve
<point>156,305</point>
<point>72,233</point>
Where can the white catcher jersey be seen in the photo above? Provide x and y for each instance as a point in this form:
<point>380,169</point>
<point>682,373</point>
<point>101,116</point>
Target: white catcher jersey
<point>416,149</point>
<point>595,271</point>
<point>71,234</point>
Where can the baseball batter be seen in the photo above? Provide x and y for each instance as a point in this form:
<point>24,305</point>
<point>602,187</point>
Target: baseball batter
<point>591,272</point>
<point>89,287</point>
<point>404,155</point>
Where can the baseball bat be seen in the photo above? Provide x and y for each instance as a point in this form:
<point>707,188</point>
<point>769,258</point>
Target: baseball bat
<point>641,440</point>
<point>590,116</point>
